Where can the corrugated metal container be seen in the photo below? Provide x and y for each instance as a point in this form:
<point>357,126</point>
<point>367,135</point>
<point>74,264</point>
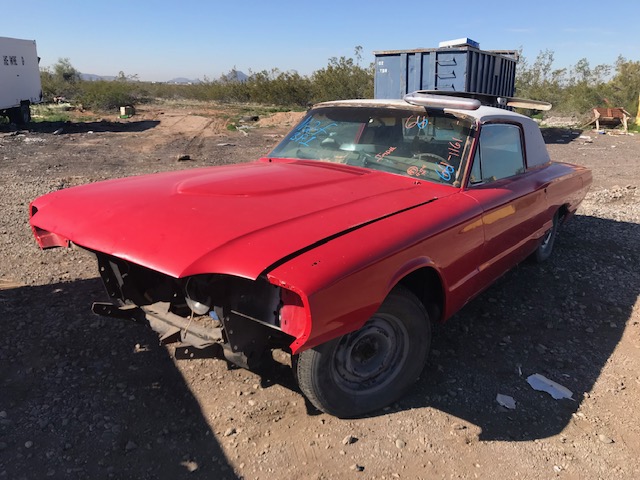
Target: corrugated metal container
<point>460,69</point>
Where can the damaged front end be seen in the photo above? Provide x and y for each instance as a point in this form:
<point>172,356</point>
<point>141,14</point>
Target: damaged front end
<point>229,316</point>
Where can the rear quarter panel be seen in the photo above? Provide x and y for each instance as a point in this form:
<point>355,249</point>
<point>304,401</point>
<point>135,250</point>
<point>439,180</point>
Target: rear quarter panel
<point>568,185</point>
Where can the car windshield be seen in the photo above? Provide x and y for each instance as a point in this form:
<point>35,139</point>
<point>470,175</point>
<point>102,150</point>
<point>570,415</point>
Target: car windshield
<point>429,146</point>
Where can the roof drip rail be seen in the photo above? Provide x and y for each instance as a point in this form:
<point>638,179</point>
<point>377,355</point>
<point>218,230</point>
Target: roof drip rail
<point>482,98</point>
<point>427,98</point>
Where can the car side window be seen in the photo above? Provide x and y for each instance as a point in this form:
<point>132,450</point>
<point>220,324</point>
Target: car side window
<point>499,154</point>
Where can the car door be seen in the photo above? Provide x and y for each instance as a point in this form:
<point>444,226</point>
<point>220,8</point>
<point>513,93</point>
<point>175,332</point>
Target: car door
<point>512,199</point>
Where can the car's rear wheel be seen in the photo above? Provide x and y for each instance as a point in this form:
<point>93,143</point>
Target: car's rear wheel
<point>545,248</point>
<point>368,369</point>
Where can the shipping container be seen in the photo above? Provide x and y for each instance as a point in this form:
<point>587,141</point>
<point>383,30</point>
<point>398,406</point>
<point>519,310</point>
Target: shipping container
<point>19,78</point>
<point>460,69</point>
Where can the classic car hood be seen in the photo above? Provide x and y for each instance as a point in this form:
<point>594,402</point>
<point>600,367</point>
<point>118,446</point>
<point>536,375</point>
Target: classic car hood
<point>238,219</point>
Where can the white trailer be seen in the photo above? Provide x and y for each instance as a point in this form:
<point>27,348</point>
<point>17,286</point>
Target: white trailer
<point>19,78</point>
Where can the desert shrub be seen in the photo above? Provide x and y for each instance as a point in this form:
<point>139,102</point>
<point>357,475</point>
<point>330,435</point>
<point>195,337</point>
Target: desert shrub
<point>279,88</point>
<point>343,78</point>
<point>165,90</point>
<point>573,90</point>
<point>109,95</point>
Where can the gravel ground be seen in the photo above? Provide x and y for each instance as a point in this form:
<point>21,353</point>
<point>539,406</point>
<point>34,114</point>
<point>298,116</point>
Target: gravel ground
<point>87,397</point>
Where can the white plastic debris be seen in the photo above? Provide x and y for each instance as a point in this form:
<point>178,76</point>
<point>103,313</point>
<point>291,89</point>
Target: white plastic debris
<point>506,401</point>
<point>543,384</point>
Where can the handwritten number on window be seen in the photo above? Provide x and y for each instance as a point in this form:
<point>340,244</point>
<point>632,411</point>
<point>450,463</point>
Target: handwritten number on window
<point>419,121</point>
<point>416,172</point>
<point>445,171</point>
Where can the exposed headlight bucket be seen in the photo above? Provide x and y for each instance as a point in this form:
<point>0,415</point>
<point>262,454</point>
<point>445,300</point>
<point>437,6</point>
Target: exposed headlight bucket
<point>197,300</point>
<point>196,307</point>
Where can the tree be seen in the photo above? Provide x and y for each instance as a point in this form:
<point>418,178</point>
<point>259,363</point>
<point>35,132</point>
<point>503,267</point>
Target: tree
<point>122,77</point>
<point>540,81</point>
<point>580,88</point>
<point>625,85</point>
<point>586,87</point>
<point>64,71</point>
<point>60,80</point>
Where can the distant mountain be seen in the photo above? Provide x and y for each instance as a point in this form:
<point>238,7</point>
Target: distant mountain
<point>235,75</point>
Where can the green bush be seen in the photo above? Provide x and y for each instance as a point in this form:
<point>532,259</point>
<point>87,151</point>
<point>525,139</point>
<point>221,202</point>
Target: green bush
<point>342,79</point>
<point>579,89</point>
<point>105,95</point>
<point>574,90</point>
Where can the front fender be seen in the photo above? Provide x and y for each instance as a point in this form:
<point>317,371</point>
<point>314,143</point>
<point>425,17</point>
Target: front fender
<point>344,281</point>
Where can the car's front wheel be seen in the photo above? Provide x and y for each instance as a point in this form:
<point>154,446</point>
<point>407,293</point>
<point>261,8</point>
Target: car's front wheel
<point>370,368</point>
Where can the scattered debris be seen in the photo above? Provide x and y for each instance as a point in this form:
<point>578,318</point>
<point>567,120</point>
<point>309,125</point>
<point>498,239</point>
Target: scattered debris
<point>127,111</point>
<point>605,439</point>
<point>543,384</point>
<point>349,439</point>
<point>357,468</point>
<point>226,145</point>
<point>190,465</point>
<point>58,131</point>
<point>506,401</point>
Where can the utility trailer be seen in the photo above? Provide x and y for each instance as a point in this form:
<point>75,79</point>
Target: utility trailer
<point>19,79</point>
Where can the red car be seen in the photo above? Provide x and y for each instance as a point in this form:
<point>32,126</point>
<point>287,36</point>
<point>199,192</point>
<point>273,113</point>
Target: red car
<point>369,221</point>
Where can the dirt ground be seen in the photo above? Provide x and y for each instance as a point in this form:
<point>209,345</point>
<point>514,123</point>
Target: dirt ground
<point>87,397</point>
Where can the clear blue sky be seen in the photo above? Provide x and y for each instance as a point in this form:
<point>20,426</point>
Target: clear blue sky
<point>162,39</point>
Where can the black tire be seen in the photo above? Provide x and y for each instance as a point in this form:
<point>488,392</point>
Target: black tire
<point>370,368</point>
<point>545,248</point>
<point>20,115</point>
<point>25,113</point>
